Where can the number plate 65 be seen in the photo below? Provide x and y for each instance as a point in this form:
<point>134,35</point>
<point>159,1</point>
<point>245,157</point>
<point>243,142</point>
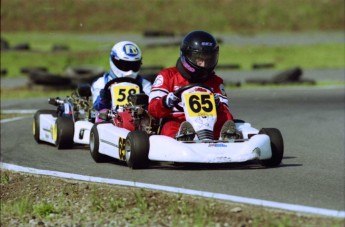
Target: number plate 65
<point>200,104</point>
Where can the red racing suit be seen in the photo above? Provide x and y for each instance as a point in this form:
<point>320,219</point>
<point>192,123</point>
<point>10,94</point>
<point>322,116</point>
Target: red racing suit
<point>170,80</point>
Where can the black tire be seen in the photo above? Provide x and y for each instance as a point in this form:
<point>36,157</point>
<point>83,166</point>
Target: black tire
<point>59,47</point>
<point>64,133</point>
<point>137,149</point>
<point>36,123</point>
<point>3,72</point>
<point>262,65</point>
<point>94,146</point>
<point>84,90</point>
<point>83,74</point>
<point>288,76</point>
<point>22,46</point>
<point>277,146</point>
<point>156,33</point>
<point>45,78</point>
<point>228,66</point>
<point>4,44</point>
<point>28,70</point>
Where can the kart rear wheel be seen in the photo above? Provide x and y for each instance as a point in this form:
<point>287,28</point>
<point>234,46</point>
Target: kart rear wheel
<point>137,149</point>
<point>277,147</point>
<point>94,146</point>
<point>63,133</point>
<point>36,123</point>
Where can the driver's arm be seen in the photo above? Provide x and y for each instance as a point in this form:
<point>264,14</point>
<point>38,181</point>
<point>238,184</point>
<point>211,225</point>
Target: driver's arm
<point>157,96</point>
<point>98,103</point>
<point>223,107</point>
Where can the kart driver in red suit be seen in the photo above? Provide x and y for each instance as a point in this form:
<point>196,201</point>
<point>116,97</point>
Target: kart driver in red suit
<point>198,58</point>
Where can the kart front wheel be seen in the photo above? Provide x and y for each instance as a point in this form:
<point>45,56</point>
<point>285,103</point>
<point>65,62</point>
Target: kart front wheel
<point>137,149</point>
<point>36,123</point>
<point>94,146</point>
<point>277,147</point>
<point>63,133</point>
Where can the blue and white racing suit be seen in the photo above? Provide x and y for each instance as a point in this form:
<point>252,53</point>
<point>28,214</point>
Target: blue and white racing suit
<point>99,84</point>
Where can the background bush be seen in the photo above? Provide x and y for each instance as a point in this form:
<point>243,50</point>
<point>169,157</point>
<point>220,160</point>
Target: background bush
<point>244,16</point>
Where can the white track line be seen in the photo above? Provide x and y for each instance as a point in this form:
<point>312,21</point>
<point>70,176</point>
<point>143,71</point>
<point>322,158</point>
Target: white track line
<point>16,112</point>
<point>12,119</point>
<point>264,203</point>
<point>238,199</point>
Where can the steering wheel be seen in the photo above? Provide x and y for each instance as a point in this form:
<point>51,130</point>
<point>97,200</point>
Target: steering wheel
<point>179,91</point>
<point>120,80</point>
<point>186,87</point>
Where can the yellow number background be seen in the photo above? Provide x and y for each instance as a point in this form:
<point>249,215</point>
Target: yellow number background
<point>202,112</point>
<point>121,93</point>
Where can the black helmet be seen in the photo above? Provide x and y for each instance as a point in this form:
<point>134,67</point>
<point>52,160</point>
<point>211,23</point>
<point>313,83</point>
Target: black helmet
<point>198,56</point>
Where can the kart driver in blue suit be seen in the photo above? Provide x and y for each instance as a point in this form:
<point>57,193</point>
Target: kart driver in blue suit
<point>125,61</point>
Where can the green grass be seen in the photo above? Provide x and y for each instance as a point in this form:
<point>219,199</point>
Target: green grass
<point>20,93</point>
<point>19,207</point>
<point>289,85</point>
<point>93,52</point>
<point>306,56</point>
<point>28,199</point>
<point>44,209</point>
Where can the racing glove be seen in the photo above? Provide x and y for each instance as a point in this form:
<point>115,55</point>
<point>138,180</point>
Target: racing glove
<point>170,100</point>
<point>105,97</point>
<point>216,100</point>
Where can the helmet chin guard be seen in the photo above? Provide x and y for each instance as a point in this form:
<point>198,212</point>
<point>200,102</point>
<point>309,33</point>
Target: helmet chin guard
<point>193,77</point>
<point>120,73</point>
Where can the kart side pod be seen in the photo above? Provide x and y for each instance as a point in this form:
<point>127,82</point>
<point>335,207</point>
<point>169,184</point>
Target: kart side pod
<point>82,132</point>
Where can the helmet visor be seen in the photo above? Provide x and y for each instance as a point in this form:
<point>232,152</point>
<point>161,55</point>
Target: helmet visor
<point>203,60</point>
<point>126,65</point>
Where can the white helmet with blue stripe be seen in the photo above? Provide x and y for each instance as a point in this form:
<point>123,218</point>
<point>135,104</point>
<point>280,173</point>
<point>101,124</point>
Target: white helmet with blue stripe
<point>125,59</point>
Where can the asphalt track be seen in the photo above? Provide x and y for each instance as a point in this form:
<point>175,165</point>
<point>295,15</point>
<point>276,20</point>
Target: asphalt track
<point>312,172</point>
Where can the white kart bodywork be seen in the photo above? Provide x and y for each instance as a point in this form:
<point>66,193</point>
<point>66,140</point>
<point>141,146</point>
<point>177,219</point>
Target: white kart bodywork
<point>164,148</point>
<point>198,104</point>
<point>109,139</point>
<point>82,130</point>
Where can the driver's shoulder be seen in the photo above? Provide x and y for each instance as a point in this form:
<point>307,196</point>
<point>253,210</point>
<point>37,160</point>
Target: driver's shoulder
<point>216,79</point>
<point>169,72</point>
<point>100,81</point>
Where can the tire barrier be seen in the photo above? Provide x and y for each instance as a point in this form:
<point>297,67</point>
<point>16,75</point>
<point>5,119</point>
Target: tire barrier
<point>168,43</point>
<point>262,65</point>
<point>156,33</point>
<point>150,72</point>
<point>56,48</point>
<point>22,46</point>
<point>83,74</point>
<point>4,44</point>
<point>46,78</point>
<point>228,66</point>
<point>41,76</point>
<point>290,76</point>
<point>28,70</point>
<point>3,72</point>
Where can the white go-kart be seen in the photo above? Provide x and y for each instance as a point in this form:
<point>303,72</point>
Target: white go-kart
<point>69,124</point>
<point>139,144</point>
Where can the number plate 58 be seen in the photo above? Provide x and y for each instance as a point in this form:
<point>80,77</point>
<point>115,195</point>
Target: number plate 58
<point>121,93</point>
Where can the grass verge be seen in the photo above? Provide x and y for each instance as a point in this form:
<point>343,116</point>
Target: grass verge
<point>39,200</point>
